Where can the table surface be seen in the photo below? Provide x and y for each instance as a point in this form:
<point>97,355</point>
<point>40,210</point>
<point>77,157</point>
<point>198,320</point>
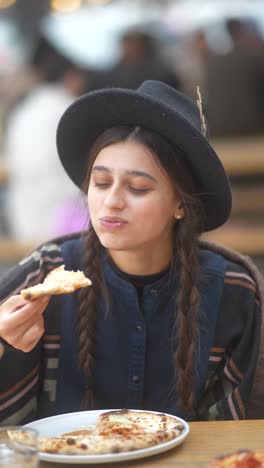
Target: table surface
<point>205,441</point>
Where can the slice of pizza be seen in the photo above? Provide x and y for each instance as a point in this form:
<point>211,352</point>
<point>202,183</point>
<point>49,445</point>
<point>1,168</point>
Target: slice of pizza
<point>99,444</point>
<point>240,459</point>
<point>58,281</point>
<point>129,422</point>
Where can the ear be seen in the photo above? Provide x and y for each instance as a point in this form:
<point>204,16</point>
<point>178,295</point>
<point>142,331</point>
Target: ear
<point>179,212</point>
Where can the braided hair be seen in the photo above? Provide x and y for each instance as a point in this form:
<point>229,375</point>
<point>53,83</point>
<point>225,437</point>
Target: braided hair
<point>185,255</point>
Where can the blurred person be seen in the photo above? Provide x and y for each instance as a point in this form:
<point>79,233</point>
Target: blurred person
<point>245,34</point>
<point>139,61</point>
<point>235,85</point>
<point>17,84</point>
<point>30,148</point>
<point>191,63</point>
<point>171,323</point>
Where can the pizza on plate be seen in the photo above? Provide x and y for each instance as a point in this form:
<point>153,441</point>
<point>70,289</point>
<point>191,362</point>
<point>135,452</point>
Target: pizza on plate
<point>114,432</point>
<point>240,459</point>
<point>57,281</point>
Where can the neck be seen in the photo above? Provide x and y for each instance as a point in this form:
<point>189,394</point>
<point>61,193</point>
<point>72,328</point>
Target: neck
<point>141,263</point>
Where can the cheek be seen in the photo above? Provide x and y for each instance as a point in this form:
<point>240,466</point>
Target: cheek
<point>92,202</point>
<point>89,196</point>
<point>92,197</point>
<point>155,212</point>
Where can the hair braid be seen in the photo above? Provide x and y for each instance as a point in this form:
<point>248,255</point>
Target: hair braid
<point>186,247</point>
<point>87,314</point>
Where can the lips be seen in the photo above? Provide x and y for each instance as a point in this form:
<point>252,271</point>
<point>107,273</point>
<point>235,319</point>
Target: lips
<point>113,219</point>
<point>112,222</point>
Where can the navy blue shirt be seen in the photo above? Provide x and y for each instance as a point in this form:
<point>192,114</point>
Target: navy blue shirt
<point>134,365</point>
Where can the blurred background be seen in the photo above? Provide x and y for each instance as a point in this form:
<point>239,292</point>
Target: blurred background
<point>52,51</point>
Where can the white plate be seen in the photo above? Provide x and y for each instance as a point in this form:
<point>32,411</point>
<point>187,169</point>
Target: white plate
<point>57,425</point>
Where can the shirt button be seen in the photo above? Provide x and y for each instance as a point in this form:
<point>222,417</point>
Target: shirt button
<point>135,379</point>
<point>154,292</point>
<point>139,328</point>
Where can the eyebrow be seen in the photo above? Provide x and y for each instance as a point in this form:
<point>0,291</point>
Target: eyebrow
<point>131,173</point>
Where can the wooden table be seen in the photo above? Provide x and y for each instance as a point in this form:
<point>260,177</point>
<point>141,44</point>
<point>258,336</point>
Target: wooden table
<point>205,441</point>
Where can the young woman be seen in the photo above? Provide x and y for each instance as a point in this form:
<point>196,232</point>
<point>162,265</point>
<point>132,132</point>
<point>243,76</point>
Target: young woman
<point>170,323</point>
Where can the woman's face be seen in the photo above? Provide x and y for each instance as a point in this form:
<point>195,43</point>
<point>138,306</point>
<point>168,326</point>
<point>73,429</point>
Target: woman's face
<point>132,202</point>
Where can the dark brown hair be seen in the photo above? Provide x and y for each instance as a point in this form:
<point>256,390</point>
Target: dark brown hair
<point>185,250</point>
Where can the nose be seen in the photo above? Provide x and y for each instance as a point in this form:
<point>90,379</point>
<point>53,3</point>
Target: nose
<point>114,198</point>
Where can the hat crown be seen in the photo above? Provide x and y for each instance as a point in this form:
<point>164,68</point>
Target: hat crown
<point>169,96</point>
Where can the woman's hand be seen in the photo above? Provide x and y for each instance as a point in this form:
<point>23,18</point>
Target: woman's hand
<point>21,321</point>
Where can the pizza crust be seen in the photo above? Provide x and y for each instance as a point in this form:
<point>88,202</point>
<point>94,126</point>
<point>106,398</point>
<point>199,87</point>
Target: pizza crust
<point>58,281</point>
<point>96,444</point>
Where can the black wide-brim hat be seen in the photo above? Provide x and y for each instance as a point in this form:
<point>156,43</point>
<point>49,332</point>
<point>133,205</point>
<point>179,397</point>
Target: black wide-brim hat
<point>157,107</point>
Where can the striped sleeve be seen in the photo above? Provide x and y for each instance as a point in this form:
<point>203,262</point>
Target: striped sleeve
<point>21,373</point>
<point>31,270</point>
<point>233,357</point>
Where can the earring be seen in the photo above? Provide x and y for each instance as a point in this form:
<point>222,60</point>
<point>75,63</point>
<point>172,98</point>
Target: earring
<point>178,217</point>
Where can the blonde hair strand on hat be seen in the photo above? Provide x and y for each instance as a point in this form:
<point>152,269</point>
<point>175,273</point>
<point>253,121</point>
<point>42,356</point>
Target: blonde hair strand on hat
<point>200,107</point>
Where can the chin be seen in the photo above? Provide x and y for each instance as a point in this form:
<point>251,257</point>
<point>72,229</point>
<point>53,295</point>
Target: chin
<point>114,244</point>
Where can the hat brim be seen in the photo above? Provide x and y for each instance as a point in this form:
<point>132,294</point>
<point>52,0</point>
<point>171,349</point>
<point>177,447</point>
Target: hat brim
<point>95,112</point>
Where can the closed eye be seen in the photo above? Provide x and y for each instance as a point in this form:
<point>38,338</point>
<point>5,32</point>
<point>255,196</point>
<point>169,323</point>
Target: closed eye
<point>102,184</point>
<point>138,191</point>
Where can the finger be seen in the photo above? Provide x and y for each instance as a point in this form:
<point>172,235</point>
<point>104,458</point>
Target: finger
<point>28,311</point>
<point>34,333</point>
<point>27,338</point>
<point>18,332</point>
<point>30,346</point>
<point>12,303</point>
<point>14,324</point>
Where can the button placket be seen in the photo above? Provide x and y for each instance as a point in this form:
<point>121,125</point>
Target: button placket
<point>137,365</point>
